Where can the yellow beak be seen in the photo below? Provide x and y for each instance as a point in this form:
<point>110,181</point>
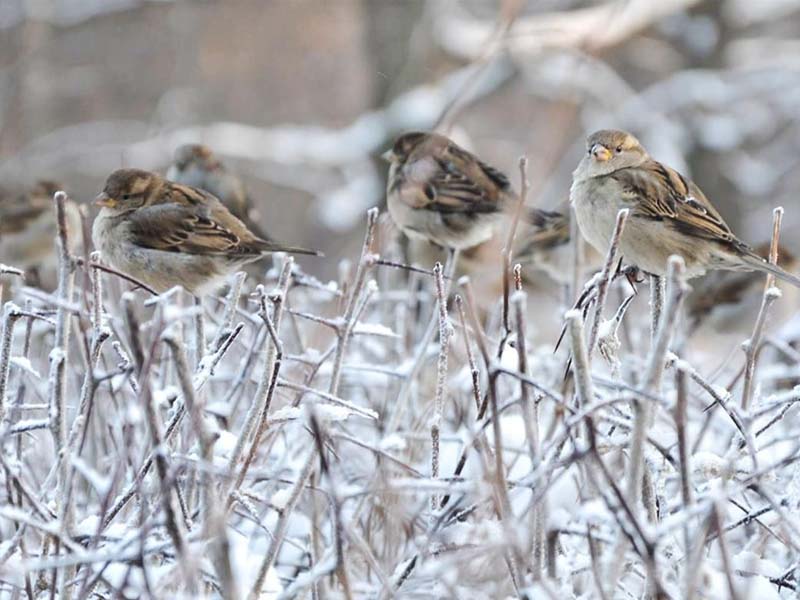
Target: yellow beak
<point>388,156</point>
<point>601,153</point>
<point>105,200</point>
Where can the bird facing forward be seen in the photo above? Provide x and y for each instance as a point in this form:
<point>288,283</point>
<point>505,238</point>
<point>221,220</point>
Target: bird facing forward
<point>440,192</point>
<point>668,212</point>
<point>166,234</point>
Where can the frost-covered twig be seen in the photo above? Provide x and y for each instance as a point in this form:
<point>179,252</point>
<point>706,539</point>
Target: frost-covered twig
<point>213,519</point>
<point>11,314</point>
<point>441,377</point>
<point>261,397</point>
<point>59,354</point>
<point>605,277</point>
<point>753,345</point>
<point>508,248</point>
<point>676,290</point>
<point>283,522</point>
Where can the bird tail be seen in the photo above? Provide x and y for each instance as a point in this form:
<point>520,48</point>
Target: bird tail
<point>270,246</point>
<point>754,261</point>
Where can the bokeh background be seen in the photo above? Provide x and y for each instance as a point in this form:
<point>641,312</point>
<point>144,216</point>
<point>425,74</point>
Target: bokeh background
<point>301,96</point>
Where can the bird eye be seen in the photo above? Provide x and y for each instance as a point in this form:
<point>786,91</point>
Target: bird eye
<point>126,196</point>
<point>619,149</point>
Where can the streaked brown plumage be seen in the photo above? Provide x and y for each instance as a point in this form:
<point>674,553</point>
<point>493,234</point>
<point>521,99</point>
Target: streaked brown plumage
<point>167,234</point>
<point>545,231</point>
<point>440,192</point>
<point>668,213</point>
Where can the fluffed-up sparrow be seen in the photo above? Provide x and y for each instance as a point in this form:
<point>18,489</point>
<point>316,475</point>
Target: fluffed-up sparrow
<point>167,234</point>
<point>668,212</point>
<point>438,191</point>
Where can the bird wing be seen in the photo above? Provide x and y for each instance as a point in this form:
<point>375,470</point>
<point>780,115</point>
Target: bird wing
<point>192,221</point>
<point>456,181</point>
<point>548,228</point>
<point>660,193</point>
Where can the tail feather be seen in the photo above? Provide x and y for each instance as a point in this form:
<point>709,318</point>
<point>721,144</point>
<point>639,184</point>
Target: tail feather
<point>758,263</point>
<point>270,246</point>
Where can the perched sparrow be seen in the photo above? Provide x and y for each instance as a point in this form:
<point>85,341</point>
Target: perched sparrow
<point>167,234</point>
<point>544,231</point>
<point>440,192</point>
<point>729,301</point>
<point>197,166</point>
<point>28,227</point>
<point>668,213</point>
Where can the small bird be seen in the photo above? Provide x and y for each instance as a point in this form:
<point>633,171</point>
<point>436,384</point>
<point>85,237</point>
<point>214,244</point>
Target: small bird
<point>28,229</point>
<point>545,230</point>
<point>728,301</point>
<point>440,192</point>
<point>196,165</point>
<point>668,213</point>
<point>167,234</point>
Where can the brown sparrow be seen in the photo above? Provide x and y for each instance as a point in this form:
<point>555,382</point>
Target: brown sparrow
<point>28,227</point>
<point>197,166</point>
<point>729,300</point>
<point>440,192</point>
<point>544,231</point>
<point>668,213</point>
<point>166,234</point>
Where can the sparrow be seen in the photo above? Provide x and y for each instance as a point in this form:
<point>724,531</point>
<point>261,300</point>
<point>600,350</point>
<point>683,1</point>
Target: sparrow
<point>28,227</point>
<point>544,231</point>
<point>166,234</point>
<point>439,192</point>
<point>668,212</point>
<point>729,300</point>
<point>196,165</point>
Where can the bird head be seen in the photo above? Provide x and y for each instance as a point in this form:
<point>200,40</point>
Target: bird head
<point>128,189</point>
<point>609,150</point>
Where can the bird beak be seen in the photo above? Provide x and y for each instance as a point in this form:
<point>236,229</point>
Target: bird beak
<point>105,200</point>
<point>388,156</point>
<point>601,153</point>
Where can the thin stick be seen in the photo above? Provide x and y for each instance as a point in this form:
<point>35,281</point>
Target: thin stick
<point>508,249</point>
<point>262,392</point>
<point>422,349</point>
<point>684,457</point>
<point>282,525</point>
<point>441,379</point>
<point>11,314</point>
<point>771,294</point>
<point>605,277</point>
<point>365,264</point>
